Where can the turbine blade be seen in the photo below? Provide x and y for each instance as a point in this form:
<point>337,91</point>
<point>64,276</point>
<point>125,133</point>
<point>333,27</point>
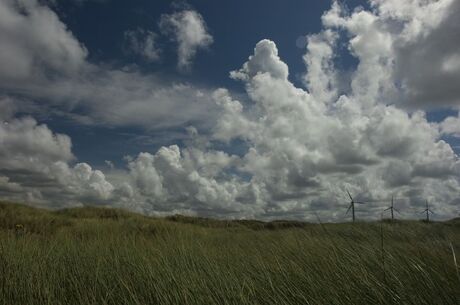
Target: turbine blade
<point>397,210</point>
<point>388,209</point>
<point>350,195</point>
<point>348,210</point>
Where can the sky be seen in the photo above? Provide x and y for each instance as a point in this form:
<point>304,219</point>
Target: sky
<point>232,109</point>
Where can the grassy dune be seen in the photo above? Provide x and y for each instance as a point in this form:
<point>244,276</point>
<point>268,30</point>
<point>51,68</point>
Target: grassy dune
<point>103,256</point>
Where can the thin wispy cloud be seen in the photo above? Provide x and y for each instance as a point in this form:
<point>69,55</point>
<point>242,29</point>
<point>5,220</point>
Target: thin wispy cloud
<point>188,29</point>
<point>142,43</point>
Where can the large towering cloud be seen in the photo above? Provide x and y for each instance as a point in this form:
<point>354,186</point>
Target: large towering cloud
<point>305,150</point>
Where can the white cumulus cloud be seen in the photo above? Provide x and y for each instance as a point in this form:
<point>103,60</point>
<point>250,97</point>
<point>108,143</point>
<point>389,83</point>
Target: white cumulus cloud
<point>33,41</point>
<point>35,167</point>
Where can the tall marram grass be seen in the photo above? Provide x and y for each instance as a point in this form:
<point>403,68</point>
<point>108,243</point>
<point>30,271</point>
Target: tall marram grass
<point>101,256</point>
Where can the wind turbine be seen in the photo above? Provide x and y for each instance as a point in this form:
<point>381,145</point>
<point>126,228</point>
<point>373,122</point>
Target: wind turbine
<point>352,205</point>
<point>392,209</point>
<point>427,211</point>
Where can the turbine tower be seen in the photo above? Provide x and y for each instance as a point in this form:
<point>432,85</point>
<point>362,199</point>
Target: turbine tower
<point>392,209</point>
<point>352,206</point>
<point>427,211</point>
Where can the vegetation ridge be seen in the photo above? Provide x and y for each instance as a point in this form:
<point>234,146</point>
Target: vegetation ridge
<point>110,256</point>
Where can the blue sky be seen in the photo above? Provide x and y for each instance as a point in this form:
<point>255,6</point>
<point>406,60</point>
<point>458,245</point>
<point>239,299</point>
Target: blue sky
<point>235,25</point>
<point>259,109</point>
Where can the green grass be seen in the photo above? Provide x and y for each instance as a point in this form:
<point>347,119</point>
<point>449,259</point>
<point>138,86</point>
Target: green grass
<point>103,256</point>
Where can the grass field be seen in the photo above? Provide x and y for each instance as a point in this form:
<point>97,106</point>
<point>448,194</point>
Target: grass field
<point>102,256</point>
